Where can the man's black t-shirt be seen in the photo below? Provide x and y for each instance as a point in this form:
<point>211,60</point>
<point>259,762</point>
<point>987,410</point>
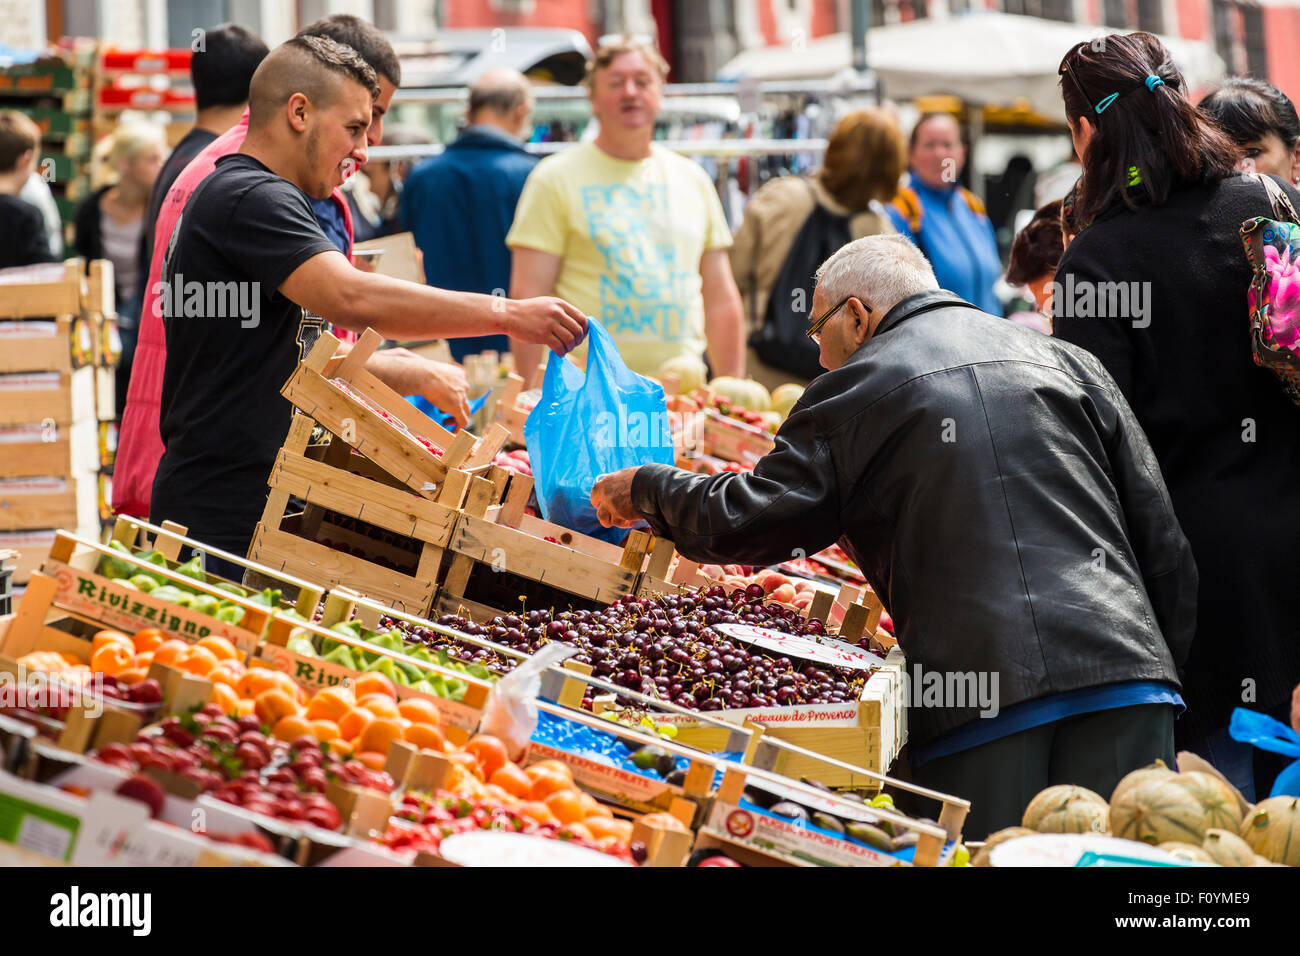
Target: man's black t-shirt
<point>22,233</point>
<point>232,343</point>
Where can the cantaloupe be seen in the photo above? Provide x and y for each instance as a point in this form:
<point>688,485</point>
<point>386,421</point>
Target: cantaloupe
<point>1153,771</point>
<point>784,398</point>
<point>981,857</point>
<point>1227,849</point>
<point>1272,830</point>
<point>744,392</point>
<point>682,374</point>
<point>1157,809</point>
<point>1066,809</point>
<point>1187,851</point>
<point>1215,797</point>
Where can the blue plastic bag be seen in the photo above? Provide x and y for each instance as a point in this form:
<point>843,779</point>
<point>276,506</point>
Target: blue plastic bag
<point>1273,735</point>
<point>444,418</point>
<point>590,425</point>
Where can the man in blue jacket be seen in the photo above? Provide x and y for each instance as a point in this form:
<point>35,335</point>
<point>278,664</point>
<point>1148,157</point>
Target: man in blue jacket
<point>460,204</point>
<point>945,220</point>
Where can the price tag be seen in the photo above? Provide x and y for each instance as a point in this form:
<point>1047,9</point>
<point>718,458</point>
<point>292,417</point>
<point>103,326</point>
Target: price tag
<point>500,848</point>
<point>835,653</point>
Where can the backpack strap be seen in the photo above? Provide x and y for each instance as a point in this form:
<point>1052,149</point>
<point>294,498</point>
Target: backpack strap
<point>1282,208</point>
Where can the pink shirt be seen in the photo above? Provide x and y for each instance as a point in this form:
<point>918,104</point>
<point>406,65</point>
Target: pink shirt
<point>139,446</point>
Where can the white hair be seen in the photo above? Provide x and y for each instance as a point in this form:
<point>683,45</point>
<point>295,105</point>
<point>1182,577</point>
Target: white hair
<point>882,270</point>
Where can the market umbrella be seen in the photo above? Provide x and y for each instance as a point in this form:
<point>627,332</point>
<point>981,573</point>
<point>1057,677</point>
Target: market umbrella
<point>984,57</point>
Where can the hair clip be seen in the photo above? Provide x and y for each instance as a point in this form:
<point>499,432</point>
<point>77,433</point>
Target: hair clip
<point>1106,101</point>
<point>1153,81</point>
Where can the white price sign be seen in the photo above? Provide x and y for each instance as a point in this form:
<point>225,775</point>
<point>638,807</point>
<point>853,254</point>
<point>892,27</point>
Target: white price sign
<point>835,653</point>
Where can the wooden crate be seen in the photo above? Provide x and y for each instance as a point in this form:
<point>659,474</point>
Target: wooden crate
<point>724,437</point>
<point>460,718</point>
<point>69,586</point>
<point>31,547</point>
<point>42,291</point>
<point>58,398</point>
<point>749,835</point>
<point>354,504</point>
<point>506,410</point>
<point>29,451</point>
<point>379,423</point>
<point>68,501</point>
<point>29,346</point>
<point>501,559</point>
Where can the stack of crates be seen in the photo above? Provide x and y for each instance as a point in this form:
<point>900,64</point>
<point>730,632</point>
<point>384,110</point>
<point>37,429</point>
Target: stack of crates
<point>54,333</point>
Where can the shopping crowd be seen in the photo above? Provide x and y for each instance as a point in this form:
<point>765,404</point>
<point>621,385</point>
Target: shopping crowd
<point>1095,507</point>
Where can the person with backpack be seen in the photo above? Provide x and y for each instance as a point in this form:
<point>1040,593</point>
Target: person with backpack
<point>1157,285</point>
<point>792,224</point>
<point>946,220</point>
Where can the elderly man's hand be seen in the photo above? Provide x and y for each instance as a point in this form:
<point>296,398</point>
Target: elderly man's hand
<point>612,499</point>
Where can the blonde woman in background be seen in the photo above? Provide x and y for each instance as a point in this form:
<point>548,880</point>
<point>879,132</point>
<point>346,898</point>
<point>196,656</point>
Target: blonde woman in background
<point>110,223</point>
<point>864,161</point>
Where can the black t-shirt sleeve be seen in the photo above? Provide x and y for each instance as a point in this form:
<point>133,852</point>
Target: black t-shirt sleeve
<point>271,232</point>
<point>33,244</point>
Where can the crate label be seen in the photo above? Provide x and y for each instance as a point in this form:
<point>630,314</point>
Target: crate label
<point>28,330</point>
<point>30,381</point>
<point>39,829</point>
<point>837,653</point>
<point>110,603</point>
<point>313,673</point>
<point>32,486</point>
<point>793,715</point>
<point>28,434</point>
<point>623,785</point>
<point>118,832</point>
<point>771,834</point>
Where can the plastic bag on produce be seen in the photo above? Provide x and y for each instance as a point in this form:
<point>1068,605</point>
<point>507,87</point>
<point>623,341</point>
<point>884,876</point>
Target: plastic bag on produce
<point>510,713</point>
<point>1272,735</point>
<point>444,418</point>
<point>588,425</point>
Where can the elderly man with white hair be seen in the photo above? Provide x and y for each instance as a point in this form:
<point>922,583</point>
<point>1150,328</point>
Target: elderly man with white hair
<point>998,494</point>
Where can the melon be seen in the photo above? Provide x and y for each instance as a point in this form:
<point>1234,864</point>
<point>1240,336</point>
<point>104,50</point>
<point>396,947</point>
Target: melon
<point>1272,830</point>
<point>981,857</point>
<point>1155,771</point>
<point>1066,809</point>
<point>744,392</point>
<point>1157,809</point>
<point>785,397</point>
<point>1216,798</point>
<point>1227,849</point>
<point>1187,851</point>
<point>682,374</point>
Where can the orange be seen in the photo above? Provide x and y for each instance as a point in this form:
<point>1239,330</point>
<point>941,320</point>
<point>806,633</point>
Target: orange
<point>566,805</point>
<point>325,729</point>
<point>329,703</point>
<point>271,705</point>
<point>148,639</point>
<point>547,783</point>
<point>553,766</point>
<point>169,650</point>
<point>579,830</point>
<point>594,807</point>
<point>353,722</point>
<point>372,682</point>
<point>257,680</point>
<point>466,762</point>
<point>602,827</point>
<point>225,696</point>
<point>245,708</point>
<point>513,781</point>
<point>197,660</point>
<point>221,647</point>
<point>144,659</point>
<point>219,675</point>
<point>380,733</point>
<point>380,705</point>
<point>291,727</point>
<point>110,637</point>
<point>420,710</point>
<point>424,736</point>
<point>537,811</point>
<point>372,759</point>
<point>489,751</point>
<point>112,657</point>
<point>131,675</point>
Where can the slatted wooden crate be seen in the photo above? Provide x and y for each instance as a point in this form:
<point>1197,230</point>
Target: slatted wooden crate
<point>63,501</point>
<point>58,398</point>
<point>58,344</point>
<point>502,559</point>
<point>722,436</point>
<point>33,450</point>
<point>42,291</point>
<point>336,390</point>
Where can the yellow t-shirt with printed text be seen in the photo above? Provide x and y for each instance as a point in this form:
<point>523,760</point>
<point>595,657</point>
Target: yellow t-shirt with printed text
<point>631,233</point>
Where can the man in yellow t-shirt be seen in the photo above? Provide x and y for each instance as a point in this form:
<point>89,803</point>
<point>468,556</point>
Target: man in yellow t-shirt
<point>629,232</point>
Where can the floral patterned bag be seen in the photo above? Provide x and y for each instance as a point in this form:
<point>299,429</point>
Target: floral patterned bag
<point>1273,249</point>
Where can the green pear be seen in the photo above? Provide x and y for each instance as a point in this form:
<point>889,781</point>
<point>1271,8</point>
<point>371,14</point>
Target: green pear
<point>390,670</point>
<point>205,604</point>
<point>143,582</point>
<point>424,687</point>
<point>302,646</point>
<point>193,568</point>
<point>343,656</point>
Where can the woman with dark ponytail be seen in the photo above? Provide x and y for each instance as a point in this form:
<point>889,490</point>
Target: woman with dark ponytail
<point>1155,286</point>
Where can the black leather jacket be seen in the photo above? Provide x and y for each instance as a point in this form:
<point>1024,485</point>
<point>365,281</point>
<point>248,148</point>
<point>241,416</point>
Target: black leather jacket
<point>994,487</point>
